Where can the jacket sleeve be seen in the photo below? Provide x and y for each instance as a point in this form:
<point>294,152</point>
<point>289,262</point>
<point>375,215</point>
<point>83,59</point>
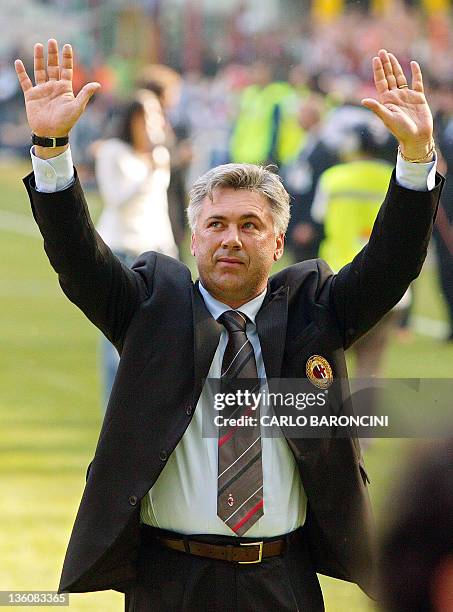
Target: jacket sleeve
<point>376,279</point>
<point>89,273</point>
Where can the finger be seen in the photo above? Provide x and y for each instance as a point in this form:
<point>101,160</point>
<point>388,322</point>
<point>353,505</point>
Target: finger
<point>397,71</point>
<point>417,79</point>
<point>39,65</point>
<point>67,63</point>
<point>85,94</point>
<point>22,75</point>
<point>379,76</point>
<point>378,109</point>
<point>388,70</point>
<point>53,65</point>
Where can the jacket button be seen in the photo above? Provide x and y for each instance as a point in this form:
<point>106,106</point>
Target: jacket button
<point>163,455</point>
<point>188,409</point>
<point>133,500</point>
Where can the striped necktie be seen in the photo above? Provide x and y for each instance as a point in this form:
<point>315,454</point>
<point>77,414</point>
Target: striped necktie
<point>240,472</point>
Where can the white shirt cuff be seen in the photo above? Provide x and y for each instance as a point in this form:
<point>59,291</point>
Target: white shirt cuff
<point>419,177</point>
<point>54,174</point>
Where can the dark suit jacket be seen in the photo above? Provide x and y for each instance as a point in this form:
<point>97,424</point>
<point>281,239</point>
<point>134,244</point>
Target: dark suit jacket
<point>156,318</point>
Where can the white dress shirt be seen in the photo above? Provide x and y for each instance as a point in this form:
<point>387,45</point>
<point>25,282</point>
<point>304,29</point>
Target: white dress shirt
<point>184,497</point>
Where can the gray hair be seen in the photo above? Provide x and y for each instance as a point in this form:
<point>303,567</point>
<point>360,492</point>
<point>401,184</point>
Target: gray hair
<point>242,176</point>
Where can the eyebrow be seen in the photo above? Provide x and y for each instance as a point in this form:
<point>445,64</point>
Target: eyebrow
<point>242,217</point>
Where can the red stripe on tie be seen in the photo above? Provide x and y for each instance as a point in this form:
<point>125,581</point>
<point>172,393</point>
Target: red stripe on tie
<point>230,433</point>
<point>226,437</point>
<point>249,514</point>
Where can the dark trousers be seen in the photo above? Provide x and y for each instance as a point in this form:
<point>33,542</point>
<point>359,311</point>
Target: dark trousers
<point>173,581</point>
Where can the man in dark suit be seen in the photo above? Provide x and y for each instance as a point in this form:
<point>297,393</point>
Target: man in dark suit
<point>182,522</point>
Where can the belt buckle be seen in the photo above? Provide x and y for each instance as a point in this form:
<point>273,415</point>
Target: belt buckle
<point>260,552</point>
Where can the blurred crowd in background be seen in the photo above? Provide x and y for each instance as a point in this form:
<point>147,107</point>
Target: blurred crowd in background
<point>237,83</point>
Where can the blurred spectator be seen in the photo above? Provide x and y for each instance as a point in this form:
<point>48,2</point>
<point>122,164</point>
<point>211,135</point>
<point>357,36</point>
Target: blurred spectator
<point>165,83</point>
<point>291,134</point>
<point>181,155</point>
<point>256,130</point>
<point>417,562</point>
<point>133,173</point>
<point>14,131</point>
<point>206,110</point>
<point>8,80</point>
<point>346,203</point>
<point>443,229</point>
<point>301,179</point>
<point>341,125</point>
<point>90,129</point>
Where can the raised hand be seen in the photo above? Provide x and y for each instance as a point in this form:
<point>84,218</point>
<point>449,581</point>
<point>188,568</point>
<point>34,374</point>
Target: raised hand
<point>403,110</point>
<point>52,109</point>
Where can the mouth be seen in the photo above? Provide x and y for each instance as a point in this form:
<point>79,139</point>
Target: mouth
<point>230,262</point>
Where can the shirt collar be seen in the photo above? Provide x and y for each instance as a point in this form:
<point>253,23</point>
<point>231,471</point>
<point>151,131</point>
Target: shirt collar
<point>216,308</point>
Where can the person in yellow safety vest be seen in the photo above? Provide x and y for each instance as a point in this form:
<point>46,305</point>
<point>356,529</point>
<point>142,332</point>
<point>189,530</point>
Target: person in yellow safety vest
<point>254,138</point>
<point>291,137</point>
<point>347,201</point>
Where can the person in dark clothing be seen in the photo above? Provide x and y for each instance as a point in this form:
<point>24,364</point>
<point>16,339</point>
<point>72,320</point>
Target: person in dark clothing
<point>443,229</point>
<point>301,179</point>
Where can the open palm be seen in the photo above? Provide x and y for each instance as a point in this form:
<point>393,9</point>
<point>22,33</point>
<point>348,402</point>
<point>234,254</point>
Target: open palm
<point>404,111</point>
<point>52,109</point>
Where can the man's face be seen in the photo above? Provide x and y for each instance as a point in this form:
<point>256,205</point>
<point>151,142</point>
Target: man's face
<point>235,245</point>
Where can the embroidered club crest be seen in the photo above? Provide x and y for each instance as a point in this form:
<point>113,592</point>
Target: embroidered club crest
<point>230,500</point>
<point>319,372</point>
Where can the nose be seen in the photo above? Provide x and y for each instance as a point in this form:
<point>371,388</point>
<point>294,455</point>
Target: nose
<point>230,238</point>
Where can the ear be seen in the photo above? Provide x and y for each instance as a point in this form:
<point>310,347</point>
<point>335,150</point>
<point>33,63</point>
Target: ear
<point>192,244</point>
<point>279,246</point>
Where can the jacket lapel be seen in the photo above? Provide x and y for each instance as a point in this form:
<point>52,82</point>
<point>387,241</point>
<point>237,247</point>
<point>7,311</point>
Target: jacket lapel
<point>206,339</point>
<point>271,324</point>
